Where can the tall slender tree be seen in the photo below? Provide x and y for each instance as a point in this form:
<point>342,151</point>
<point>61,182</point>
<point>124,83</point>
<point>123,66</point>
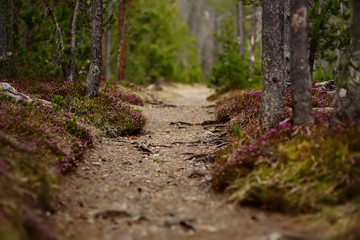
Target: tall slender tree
<point>121,38</point>
<point>254,24</point>
<point>287,68</point>
<point>108,45</point>
<point>350,108</point>
<point>94,75</point>
<point>73,41</point>
<point>3,35</point>
<point>300,71</point>
<point>240,27</point>
<point>272,105</point>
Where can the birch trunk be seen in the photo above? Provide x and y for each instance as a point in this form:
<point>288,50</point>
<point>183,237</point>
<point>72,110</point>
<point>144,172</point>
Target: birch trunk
<point>300,72</point>
<point>272,105</point>
<point>73,42</point>
<point>94,75</point>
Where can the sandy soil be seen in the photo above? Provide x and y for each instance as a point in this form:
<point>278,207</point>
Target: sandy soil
<point>152,186</point>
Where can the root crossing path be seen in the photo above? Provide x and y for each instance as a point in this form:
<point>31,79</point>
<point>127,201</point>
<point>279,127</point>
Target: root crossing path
<point>158,186</point>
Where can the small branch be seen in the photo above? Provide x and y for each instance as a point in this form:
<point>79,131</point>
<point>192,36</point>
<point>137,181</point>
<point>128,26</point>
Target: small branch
<point>7,89</point>
<point>60,42</point>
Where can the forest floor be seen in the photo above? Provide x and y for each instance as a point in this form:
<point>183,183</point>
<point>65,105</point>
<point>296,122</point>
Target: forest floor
<point>157,185</point>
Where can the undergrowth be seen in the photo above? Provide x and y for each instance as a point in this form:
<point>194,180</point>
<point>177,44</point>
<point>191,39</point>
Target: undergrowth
<point>287,168</point>
<point>38,142</point>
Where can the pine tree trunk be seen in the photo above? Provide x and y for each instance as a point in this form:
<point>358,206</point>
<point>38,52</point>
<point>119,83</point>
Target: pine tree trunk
<point>240,27</point>
<point>121,42</point>
<point>350,109</point>
<point>3,34</point>
<point>94,75</point>
<point>300,73</point>
<point>253,40</point>
<point>272,106</point>
<point>312,54</point>
<point>287,42</point>
<point>73,42</point>
<point>108,46</point>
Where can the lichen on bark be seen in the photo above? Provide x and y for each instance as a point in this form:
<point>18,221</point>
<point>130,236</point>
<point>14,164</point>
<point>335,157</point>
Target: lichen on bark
<point>273,63</point>
<point>94,75</point>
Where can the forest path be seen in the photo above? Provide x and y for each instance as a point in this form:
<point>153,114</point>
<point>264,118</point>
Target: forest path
<point>123,191</point>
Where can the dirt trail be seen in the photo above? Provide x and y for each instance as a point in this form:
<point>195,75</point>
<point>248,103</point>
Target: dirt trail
<point>154,187</point>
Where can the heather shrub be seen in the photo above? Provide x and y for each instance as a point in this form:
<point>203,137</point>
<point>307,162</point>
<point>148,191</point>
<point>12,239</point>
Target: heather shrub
<point>242,108</point>
<point>287,168</point>
<point>109,112</point>
<point>246,105</point>
<point>291,169</point>
<point>36,143</point>
<point>39,142</point>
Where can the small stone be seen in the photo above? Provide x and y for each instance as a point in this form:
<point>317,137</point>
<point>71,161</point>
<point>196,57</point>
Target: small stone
<point>197,174</point>
<point>98,164</point>
<point>104,176</point>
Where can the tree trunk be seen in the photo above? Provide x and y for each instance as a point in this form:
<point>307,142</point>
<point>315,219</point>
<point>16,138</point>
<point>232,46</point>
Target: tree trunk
<point>73,42</point>
<point>287,70</point>
<point>312,54</point>
<point>121,42</point>
<point>350,109</point>
<point>240,27</point>
<point>300,73</point>
<point>3,34</point>
<point>94,75</point>
<point>272,105</point>
<point>60,42</point>
<point>254,21</point>
<point>108,46</point>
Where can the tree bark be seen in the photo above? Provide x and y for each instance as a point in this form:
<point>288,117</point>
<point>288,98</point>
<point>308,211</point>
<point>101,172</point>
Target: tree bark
<point>60,42</point>
<point>272,105</point>
<point>240,27</point>
<point>300,72</point>
<point>312,54</point>
<point>350,108</point>
<point>3,34</point>
<point>287,69</point>
<point>73,42</point>
<point>122,42</point>
<point>254,22</point>
<point>108,46</point>
<point>94,75</point>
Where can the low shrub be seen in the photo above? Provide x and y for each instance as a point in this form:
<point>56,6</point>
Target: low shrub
<point>39,142</point>
<point>287,168</point>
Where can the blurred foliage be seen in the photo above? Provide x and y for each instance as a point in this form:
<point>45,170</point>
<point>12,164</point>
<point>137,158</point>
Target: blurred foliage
<point>33,45</point>
<point>159,45</point>
<point>329,32</point>
<point>232,69</point>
